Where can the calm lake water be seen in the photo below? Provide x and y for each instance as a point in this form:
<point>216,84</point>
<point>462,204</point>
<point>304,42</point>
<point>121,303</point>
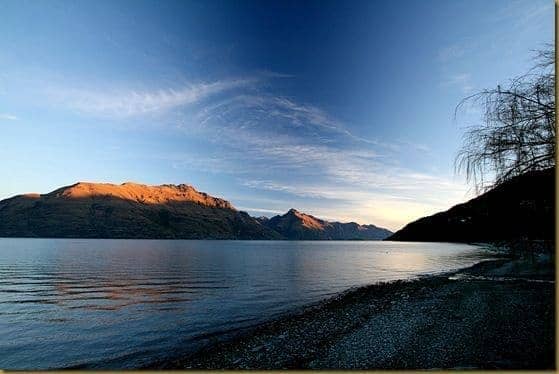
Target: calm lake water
<point>125,303</point>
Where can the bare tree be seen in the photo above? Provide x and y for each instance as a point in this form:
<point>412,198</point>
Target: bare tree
<point>517,133</point>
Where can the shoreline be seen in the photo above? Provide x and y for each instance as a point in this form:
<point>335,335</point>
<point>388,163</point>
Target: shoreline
<point>384,325</point>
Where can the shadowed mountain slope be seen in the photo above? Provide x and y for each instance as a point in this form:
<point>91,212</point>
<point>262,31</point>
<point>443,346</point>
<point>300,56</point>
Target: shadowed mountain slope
<point>522,208</point>
<point>296,225</point>
<point>129,210</point>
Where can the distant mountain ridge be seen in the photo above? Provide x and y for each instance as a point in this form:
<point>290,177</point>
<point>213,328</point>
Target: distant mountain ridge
<point>296,225</point>
<point>132,210</point>
<point>521,208</point>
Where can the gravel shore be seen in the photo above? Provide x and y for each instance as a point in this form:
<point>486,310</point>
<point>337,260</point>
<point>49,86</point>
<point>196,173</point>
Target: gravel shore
<point>494,315</point>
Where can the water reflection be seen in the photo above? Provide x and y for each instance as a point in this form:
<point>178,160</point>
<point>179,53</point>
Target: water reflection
<point>120,303</point>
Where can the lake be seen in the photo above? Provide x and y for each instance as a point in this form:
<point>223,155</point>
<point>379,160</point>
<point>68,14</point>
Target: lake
<point>125,303</point>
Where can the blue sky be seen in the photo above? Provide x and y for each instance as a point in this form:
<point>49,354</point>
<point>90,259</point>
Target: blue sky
<point>340,109</point>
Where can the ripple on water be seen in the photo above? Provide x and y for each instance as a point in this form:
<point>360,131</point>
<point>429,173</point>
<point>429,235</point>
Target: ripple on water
<point>118,303</point>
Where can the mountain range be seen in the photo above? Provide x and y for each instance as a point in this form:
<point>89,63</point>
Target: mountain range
<point>131,210</point>
<point>300,226</point>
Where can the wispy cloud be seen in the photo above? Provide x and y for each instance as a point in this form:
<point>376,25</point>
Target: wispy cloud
<point>273,143</point>
<point>280,115</point>
<point>462,81</point>
<point>131,103</point>
<point>406,186</point>
<point>259,210</point>
<point>452,52</point>
<point>391,209</point>
<point>8,117</point>
<point>523,13</point>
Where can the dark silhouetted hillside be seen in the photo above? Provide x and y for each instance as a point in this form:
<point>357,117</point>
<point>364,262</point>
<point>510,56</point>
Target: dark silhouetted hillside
<point>521,208</point>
